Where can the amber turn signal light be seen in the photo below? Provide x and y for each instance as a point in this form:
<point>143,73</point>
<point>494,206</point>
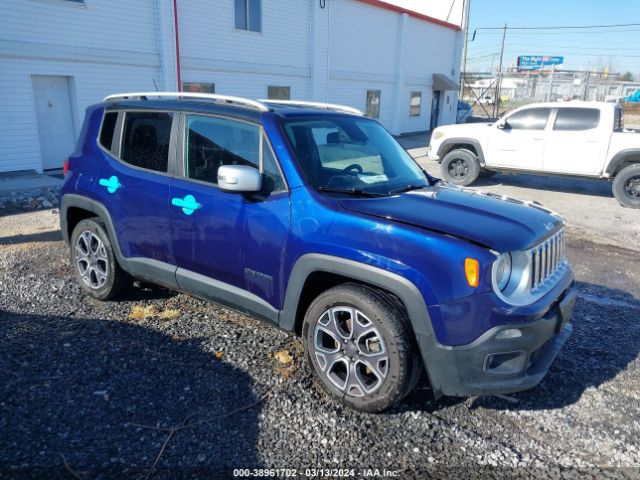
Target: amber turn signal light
<point>472,271</point>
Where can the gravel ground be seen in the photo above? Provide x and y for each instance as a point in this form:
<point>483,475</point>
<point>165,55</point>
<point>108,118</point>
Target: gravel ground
<point>108,390</point>
<point>41,198</point>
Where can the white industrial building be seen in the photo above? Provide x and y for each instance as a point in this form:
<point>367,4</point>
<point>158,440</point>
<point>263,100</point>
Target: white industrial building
<point>59,56</point>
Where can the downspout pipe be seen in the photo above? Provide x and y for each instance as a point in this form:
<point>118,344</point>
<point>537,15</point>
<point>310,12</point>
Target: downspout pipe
<point>177,39</point>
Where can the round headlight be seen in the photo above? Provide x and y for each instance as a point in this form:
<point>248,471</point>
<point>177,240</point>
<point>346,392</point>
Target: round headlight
<point>503,270</point>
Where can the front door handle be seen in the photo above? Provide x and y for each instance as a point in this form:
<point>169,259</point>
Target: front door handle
<point>188,204</point>
<point>112,183</point>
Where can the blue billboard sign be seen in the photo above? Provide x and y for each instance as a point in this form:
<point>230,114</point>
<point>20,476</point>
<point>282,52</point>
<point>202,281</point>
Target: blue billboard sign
<point>538,62</point>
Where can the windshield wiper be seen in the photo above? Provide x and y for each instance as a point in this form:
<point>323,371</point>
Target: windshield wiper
<point>408,188</point>
<point>353,191</point>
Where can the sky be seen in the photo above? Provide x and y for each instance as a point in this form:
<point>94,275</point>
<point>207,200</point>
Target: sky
<point>593,48</point>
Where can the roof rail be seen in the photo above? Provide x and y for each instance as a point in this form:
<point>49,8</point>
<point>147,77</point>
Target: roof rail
<point>328,106</point>
<point>245,102</point>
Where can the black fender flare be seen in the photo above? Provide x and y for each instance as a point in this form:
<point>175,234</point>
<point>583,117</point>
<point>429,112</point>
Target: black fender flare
<point>147,269</point>
<point>404,289</point>
<point>620,158</point>
<point>443,148</point>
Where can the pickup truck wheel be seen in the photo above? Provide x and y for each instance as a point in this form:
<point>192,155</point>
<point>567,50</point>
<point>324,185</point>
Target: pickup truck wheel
<point>460,167</point>
<point>94,262</point>
<point>359,349</point>
<point>626,186</point>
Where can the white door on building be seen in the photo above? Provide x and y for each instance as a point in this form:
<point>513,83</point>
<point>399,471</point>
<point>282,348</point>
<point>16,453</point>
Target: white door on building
<point>55,119</point>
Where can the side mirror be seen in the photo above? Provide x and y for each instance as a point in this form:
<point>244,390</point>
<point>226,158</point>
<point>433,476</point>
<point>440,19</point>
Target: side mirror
<point>504,125</point>
<point>239,178</point>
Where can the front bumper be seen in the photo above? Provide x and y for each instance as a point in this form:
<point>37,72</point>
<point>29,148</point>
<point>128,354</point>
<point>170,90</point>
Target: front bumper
<point>499,362</point>
<point>432,154</point>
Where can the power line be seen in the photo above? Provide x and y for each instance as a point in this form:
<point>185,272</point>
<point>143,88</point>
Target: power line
<point>563,27</point>
<point>562,33</point>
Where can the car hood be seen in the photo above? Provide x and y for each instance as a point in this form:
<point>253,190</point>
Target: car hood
<point>496,222</point>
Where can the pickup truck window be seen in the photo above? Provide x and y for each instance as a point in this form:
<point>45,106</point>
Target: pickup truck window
<point>574,119</point>
<point>529,119</point>
<point>618,124</point>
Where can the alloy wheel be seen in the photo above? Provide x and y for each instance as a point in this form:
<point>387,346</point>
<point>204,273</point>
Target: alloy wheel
<point>92,261</point>
<point>350,351</point>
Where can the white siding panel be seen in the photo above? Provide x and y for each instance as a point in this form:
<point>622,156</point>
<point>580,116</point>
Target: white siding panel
<point>430,49</point>
<point>19,145</point>
<point>112,24</point>
<point>207,31</point>
<point>362,37</point>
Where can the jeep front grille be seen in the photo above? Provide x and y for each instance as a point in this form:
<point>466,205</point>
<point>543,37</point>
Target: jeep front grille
<point>546,259</point>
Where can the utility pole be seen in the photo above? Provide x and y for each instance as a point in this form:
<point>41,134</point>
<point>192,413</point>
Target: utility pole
<point>496,106</point>
<point>466,6</point>
<point>550,92</point>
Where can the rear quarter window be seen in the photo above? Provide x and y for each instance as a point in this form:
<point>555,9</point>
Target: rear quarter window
<point>107,129</point>
<point>575,119</point>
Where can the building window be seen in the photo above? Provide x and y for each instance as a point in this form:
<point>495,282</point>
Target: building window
<point>414,106</point>
<point>198,87</point>
<point>249,15</point>
<point>278,93</point>
<point>373,103</point>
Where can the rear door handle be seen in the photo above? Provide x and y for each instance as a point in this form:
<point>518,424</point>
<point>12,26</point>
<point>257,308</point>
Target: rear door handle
<point>188,204</point>
<point>111,184</point>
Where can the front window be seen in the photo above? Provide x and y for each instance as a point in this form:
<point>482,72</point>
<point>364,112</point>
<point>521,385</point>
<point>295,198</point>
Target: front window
<point>529,119</point>
<point>212,142</point>
<point>352,155</point>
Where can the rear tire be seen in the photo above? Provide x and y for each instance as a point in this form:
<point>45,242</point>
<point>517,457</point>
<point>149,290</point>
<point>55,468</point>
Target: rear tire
<point>460,167</point>
<point>94,262</point>
<point>626,186</point>
<point>369,367</point>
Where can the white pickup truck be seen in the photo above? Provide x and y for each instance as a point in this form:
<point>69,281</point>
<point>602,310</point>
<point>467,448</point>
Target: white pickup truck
<point>585,139</point>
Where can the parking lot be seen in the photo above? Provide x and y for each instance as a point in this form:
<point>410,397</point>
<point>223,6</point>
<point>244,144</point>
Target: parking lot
<point>161,381</point>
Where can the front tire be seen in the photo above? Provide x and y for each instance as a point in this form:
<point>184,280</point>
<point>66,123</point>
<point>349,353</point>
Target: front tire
<point>94,262</point>
<point>460,167</point>
<point>359,348</point>
<point>626,186</point>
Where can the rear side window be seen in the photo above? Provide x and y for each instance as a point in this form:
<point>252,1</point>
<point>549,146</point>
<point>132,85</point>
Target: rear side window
<point>529,119</point>
<point>107,130</point>
<point>573,119</point>
<point>145,140</point>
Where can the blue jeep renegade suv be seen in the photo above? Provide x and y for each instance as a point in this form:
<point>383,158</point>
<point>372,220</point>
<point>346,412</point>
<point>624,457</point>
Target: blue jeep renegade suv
<point>312,217</point>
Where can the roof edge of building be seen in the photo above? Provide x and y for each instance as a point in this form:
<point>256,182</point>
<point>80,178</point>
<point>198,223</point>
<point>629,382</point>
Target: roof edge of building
<point>412,13</point>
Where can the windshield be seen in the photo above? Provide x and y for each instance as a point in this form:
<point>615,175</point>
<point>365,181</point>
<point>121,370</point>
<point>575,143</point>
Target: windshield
<point>354,155</point>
